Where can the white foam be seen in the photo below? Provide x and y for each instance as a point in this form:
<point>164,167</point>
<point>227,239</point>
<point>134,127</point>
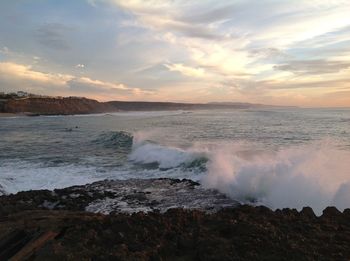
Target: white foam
<point>18,176</point>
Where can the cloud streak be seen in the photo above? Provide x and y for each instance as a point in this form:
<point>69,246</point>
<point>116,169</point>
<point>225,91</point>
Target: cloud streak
<point>313,66</point>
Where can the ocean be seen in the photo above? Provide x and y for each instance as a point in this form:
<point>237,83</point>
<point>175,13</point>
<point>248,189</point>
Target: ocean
<point>288,157</point>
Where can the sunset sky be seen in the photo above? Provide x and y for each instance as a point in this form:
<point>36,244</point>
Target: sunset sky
<point>286,52</point>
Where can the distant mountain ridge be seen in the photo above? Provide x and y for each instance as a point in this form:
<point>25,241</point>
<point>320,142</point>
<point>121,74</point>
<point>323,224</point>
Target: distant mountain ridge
<point>43,105</point>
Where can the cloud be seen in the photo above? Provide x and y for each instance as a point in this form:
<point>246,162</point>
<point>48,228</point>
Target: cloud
<point>303,84</point>
<point>189,30</point>
<point>268,53</point>
<point>87,84</point>
<point>211,14</point>
<point>329,38</point>
<point>156,16</point>
<point>186,70</point>
<point>313,66</point>
<point>21,72</point>
<point>53,35</point>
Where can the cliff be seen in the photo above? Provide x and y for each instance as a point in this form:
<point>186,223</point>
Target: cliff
<point>54,106</point>
<point>75,105</point>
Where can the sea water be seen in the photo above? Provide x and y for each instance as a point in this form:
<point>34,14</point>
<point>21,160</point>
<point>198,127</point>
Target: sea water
<point>280,158</point>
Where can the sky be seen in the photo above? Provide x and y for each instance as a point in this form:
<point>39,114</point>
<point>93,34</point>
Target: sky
<point>279,52</point>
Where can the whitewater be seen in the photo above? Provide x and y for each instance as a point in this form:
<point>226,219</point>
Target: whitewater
<point>274,157</point>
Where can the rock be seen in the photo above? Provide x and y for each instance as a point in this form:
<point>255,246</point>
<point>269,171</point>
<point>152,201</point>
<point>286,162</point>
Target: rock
<point>242,233</point>
<point>180,221</point>
<point>307,212</point>
<point>2,190</point>
<point>330,212</point>
<point>121,196</point>
<point>347,212</point>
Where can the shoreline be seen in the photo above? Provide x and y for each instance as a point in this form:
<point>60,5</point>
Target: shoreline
<point>8,115</point>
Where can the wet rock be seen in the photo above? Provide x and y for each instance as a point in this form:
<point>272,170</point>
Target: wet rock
<point>307,212</point>
<point>331,212</point>
<point>347,212</point>
<point>242,233</point>
<point>121,196</point>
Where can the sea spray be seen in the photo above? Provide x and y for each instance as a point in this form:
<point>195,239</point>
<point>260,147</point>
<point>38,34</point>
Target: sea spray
<point>315,175</point>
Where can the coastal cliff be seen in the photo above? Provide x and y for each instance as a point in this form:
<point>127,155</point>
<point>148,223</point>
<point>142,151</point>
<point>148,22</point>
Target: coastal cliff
<point>45,105</point>
<point>54,106</point>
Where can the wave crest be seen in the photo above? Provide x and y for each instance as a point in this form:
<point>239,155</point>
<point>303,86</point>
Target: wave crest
<point>115,139</point>
<point>147,152</point>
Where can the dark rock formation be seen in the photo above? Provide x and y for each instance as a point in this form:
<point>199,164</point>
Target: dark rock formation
<point>50,225</point>
<point>2,105</point>
<point>243,233</point>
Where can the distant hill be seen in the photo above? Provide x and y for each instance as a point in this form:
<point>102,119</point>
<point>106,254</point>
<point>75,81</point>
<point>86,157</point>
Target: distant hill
<point>154,106</point>
<point>43,105</point>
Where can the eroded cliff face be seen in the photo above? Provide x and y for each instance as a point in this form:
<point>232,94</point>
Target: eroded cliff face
<point>52,106</point>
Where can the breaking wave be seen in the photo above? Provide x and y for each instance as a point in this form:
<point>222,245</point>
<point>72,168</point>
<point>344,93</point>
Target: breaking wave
<point>146,152</point>
<point>315,175</point>
<point>164,157</point>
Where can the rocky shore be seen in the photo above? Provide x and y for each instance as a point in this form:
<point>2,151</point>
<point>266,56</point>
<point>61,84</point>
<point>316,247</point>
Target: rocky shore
<point>120,196</point>
<point>179,221</point>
